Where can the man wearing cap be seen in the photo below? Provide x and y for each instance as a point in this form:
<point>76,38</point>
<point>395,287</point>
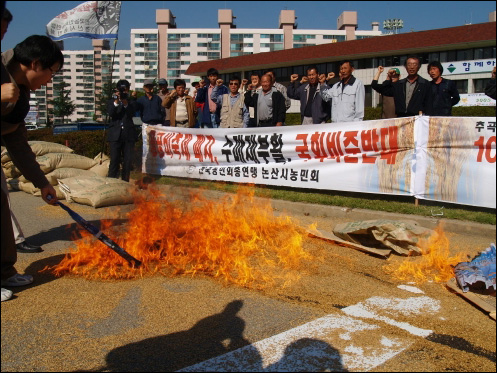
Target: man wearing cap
<point>121,133</point>
<point>150,105</point>
<point>163,93</point>
<point>387,103</point>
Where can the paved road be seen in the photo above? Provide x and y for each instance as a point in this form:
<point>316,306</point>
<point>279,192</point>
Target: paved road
<point>345,314</point>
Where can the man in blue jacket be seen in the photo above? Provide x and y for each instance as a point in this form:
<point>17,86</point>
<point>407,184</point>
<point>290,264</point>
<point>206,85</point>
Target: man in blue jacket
<point>209,117</point>
<point>313,110</point>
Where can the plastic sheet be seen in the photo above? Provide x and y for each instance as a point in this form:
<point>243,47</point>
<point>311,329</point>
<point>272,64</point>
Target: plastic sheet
<point>481,268</point>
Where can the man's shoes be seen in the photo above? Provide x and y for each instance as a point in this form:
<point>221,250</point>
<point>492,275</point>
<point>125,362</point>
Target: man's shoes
<point>6,294</point>
<point>25,247</point>
<point>18,280</point>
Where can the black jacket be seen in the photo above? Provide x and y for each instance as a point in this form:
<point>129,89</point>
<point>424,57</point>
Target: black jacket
<point>117,115</point>
<point>419,100</point>
<point>279,108</point>
<point>443,97</point>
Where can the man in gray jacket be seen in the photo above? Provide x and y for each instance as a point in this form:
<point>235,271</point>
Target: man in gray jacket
<point>347,96</point>
<point>313,110</point>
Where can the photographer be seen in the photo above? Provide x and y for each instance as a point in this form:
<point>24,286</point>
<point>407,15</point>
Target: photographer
<point>121,133</point>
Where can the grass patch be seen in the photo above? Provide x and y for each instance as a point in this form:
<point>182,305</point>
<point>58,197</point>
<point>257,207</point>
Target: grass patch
<point>387,203</point>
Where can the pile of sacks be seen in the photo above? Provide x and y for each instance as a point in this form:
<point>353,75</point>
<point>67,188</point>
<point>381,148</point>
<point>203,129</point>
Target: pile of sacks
<point>74,177</point>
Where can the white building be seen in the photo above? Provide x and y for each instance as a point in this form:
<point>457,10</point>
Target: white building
<point>168,51</point>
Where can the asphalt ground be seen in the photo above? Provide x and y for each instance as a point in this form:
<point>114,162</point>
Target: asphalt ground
<point>346,312</point>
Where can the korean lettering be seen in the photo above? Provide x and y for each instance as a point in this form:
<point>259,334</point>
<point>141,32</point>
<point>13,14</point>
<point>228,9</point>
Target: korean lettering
<point>351,139</point>
<point>480,126</point>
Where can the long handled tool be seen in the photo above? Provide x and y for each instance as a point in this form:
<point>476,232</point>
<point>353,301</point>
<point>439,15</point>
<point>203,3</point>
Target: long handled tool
<point>101,236</point>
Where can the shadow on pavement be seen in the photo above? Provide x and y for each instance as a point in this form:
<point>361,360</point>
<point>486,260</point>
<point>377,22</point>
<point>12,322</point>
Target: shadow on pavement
<point>68,232</point>
<point>213,337</point>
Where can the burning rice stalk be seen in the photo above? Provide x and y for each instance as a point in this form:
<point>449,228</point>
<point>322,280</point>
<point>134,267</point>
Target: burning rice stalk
<point>435,263</point>
<point>237,239</point>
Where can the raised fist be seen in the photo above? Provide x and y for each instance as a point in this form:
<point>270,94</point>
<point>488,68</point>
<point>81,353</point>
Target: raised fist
<point>294,77</point>
<point>10,92</point>
<point>219,82</point>
<point>330,76</point>
<point>244,82</point>
<point>381,69</point>
<point>304,79</point>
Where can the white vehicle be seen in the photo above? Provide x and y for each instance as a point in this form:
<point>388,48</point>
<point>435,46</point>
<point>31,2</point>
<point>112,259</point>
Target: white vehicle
<point>30,126</point>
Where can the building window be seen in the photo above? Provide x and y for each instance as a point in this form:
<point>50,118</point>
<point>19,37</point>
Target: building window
<point>334,38</point>
<point>462,85</point>
<point>480,84</point>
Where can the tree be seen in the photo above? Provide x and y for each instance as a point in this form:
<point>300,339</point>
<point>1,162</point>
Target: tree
<point>62,104</point>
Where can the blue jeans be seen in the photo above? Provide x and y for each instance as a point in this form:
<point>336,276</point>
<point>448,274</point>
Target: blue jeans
<point>212,124</point>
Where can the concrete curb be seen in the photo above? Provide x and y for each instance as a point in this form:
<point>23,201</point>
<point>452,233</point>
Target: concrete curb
<point>323,211</point>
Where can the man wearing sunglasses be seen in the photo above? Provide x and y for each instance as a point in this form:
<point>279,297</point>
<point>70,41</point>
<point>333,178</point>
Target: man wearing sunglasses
<point>234,113</point>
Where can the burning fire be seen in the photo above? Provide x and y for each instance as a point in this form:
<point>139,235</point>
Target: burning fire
<point>435,264</point>
<point>236,238</point>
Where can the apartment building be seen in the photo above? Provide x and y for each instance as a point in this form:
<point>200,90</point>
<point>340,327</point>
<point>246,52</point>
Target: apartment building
<point>167,52</point>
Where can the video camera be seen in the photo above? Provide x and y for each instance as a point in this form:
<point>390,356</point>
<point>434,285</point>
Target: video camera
<point>121,88</point>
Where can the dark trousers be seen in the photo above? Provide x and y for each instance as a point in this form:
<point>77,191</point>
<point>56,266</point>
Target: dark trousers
<point>121,154</point>
<point>8,243</point>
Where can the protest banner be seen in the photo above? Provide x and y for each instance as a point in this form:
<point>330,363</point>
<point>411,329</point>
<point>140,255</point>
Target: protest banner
<point>443,159</point>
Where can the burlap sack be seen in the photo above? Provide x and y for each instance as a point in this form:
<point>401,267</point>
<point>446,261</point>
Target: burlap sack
<point>52,161</point>
<point>101,169</point>
<point>39,148</point>
<point>105,195</point>
<point>400,236</point>
<point>44,147</point>
<point>65,173</point>
<point>28,187</point>
<point>10,170</point>
<point>97,191</point>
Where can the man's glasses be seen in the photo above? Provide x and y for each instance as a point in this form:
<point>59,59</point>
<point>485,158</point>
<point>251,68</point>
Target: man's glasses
<point>233,83</point>
<point>54,73</point>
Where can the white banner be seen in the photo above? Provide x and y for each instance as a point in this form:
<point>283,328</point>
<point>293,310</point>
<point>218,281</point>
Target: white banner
<point>370,157</point>
<point>93,19</point>
<point>475,99</point>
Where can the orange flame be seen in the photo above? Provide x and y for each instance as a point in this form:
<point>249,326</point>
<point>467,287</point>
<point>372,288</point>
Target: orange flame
<point>237,239</point>
<point>435,264</point>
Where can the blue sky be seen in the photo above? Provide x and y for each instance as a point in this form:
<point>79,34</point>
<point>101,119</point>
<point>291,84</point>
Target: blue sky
<point>31,17</point>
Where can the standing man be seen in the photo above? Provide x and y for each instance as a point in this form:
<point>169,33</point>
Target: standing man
<point>11,95</point>
<point>210,113</point>
<point>255,84</point>
<point>30,65</point>
<point>280,88</point>
<point>182,106</point>
<point>443,93</point>
<point>411,94</point>
<point>234,112</point>
<point>490,87</point>
<point>163,93</point>
<point>150,105</point>
<point>269,104</point>
<point>121,133</point>
<point>347,96</point>
<point>387,103</point>
<point>313,110</point>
